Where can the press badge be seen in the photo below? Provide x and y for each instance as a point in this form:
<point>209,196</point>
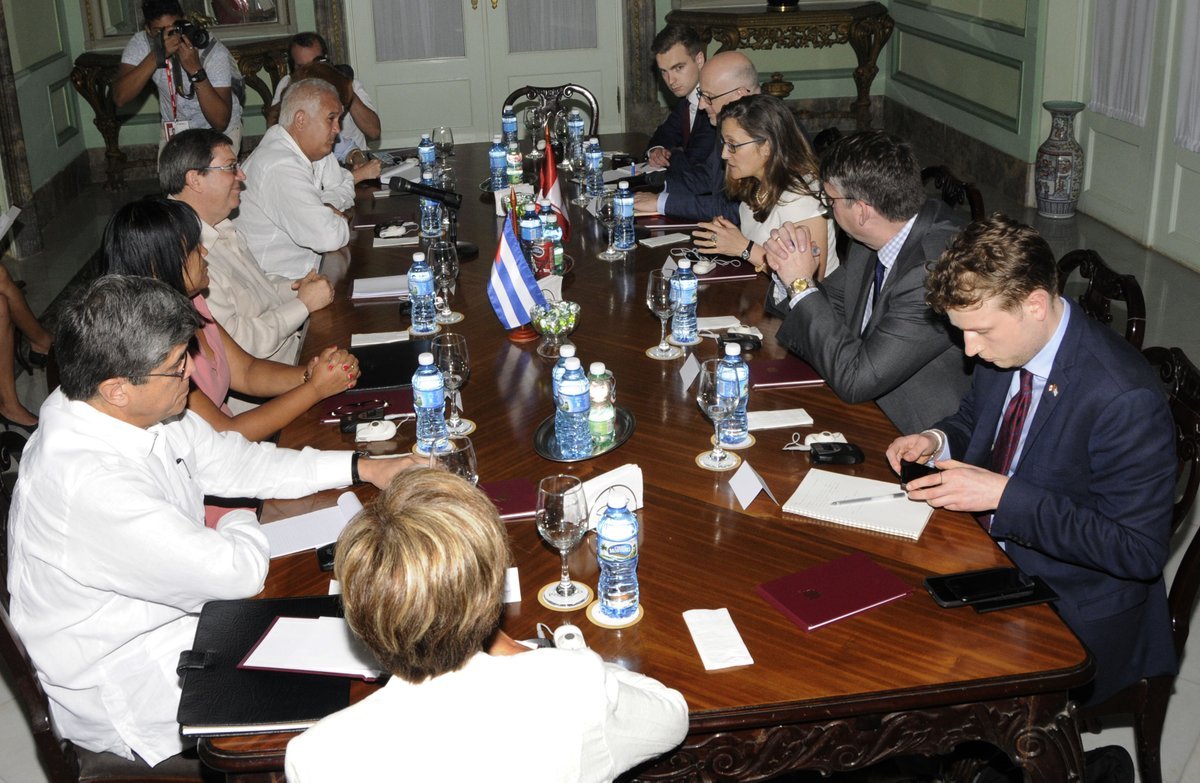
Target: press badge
<point>171,127</point>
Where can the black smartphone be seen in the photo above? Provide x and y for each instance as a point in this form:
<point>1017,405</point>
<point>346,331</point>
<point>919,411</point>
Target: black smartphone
<point>325,556</point>
<point>835,454</point>
<point>914,470</point>
<point>1040,593</point>
<point>970,587</point>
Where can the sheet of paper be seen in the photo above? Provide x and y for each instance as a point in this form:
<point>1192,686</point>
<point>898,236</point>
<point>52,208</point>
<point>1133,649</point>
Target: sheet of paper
<point>715,323</point>
<point>512,587</point>
<point>386,287</point>
<point>664,239</point>
<point>746,483</point>
<point>689,371</point>
<point>716,639</point>
<point>377,338</point>
<point>770,420</point>
<point>412,241</point>
<point>324,645</point>
<point>311,530</point>
<point>626,479</point>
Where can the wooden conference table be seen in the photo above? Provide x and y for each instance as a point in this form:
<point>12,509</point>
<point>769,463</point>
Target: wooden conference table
<point>905,678</point>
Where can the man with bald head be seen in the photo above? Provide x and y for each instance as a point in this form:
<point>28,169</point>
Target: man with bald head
<point>697,192</point>
<point>292,208</point>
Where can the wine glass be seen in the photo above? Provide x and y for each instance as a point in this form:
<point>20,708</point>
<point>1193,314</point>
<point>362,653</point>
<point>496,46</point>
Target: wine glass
<point>457,456</point>
<point>718,407</point>
<point>658,299</point>
<point>606,210</point>
<point>562,520</point>
<point>443,141</point>
<point>535,120</point>
<point>443,260</point>
<point>450,356</point>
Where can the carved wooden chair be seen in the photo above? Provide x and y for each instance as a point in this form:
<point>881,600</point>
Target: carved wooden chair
<point>1103,286</point>
<point>552,100</point>
<point>955,192</point>
<point>1147,699</point>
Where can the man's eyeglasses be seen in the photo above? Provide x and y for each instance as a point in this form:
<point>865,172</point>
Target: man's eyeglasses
<point>732,148</point>
<point>232,168</point>
<point>827,200</point>
<point>178,374</point>
<point>703,96</point>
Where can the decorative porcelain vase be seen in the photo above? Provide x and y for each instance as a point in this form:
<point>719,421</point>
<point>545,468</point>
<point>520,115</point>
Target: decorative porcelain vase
<point>1058,177</point>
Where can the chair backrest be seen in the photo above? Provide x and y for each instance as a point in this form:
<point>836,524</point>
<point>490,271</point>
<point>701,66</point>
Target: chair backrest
<point>11,445</point>
<point>1182,383</point>
<point>58,758</point>
<point>551,100</point>
<point>1104,285</point>
<point>955,192</point>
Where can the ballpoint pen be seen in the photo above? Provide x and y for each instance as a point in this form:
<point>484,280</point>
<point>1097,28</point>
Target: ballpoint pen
<point>869,499</point>
<point>388,417</point>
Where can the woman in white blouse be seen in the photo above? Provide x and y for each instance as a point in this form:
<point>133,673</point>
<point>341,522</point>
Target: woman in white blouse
<point>772,171</point>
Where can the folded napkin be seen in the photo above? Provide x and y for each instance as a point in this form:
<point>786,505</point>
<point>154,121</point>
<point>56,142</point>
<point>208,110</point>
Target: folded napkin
<point>664,239</point>
<point>771,420</point>
<point>377,338</point>
<point>716,638</point>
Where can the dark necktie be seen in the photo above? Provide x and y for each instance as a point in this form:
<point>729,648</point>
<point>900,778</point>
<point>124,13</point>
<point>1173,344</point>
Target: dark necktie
<point>687,120</point>
<point>1005,447</point>
<point>880,271</point>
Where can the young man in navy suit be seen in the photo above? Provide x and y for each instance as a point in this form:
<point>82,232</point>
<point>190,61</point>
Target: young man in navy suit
<point>1064,445</point>
<point>685,137</point>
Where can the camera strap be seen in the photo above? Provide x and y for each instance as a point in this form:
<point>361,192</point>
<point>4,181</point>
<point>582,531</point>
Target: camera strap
<point>171,89</point>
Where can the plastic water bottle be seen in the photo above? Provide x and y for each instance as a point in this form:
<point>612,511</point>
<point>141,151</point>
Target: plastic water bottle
<point>575,140</point>
<point>565,351</point>
<point>602,389</point>
<point>426,152</point>
<point>552,235</point>
<point>617,555</point>
<point>683,298</point>
<point>429,403</point>
<point>571,412</point>
<point>595,168</point>
<point>531,233</point>
<point>431,211</point>
<point>420,296</point>
<point>514,166</point>
<point>508,125</point>
<point>623,237</point>
<point>498,163</point>
<point>733,381</point>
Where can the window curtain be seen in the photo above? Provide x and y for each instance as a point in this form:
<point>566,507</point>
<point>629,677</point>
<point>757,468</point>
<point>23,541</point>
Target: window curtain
<point>1122,46</point>
<point>1187,105</point>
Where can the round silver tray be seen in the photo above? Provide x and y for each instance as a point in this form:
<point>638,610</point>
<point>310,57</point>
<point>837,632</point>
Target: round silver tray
<point>546,446</point>
<point>526,178</point>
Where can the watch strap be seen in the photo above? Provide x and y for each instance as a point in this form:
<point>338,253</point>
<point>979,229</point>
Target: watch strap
<point>198,76</point>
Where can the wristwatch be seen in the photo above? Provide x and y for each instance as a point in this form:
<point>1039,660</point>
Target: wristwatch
<point>198,76</point>
<point>746,252</point>
<point>799,285</point>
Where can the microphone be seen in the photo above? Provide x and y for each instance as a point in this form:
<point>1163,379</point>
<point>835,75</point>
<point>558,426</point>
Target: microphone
<point>447,197</point>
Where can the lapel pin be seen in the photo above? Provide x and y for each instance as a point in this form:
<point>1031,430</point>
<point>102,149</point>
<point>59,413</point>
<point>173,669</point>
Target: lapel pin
<point>1053,389</point>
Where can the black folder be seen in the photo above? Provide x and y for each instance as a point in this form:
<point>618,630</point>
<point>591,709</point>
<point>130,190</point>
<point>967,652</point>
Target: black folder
<point>219,698</point>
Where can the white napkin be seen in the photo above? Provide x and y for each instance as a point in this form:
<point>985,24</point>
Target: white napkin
<point>412,241</point>
<point>716,322</point>
<point>771,420</point>
<point>377,338</point>
<point>716,638</point>
<point>664,239</point>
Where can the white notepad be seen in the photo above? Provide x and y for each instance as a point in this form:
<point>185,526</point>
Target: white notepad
<point>317,645</point>
<point>311,530</point>
<point>898,517</point>
<point>388,287</point>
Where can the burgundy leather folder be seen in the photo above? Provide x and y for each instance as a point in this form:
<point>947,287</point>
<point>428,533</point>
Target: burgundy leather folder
<point>824,593</point>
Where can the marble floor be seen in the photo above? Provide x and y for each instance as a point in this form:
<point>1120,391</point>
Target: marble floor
<point>1171,291</point>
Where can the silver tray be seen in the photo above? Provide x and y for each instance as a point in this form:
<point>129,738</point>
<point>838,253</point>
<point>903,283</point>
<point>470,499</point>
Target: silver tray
<point>528,178</point>
<point>546,445</point>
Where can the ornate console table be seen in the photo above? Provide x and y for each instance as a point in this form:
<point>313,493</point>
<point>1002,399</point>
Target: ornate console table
<point>866,27</point>
<point>95,72</point>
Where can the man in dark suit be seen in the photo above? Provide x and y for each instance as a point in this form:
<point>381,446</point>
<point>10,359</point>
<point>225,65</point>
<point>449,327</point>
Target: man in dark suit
<point>685,137</point>
<point>697,192</point>
<point>1072,458</point>
<point>866,328</point>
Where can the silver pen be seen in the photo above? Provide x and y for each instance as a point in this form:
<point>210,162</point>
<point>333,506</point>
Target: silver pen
<point>869,499</point>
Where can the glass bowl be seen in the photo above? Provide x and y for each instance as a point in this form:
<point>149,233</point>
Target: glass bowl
<point>554,323</point>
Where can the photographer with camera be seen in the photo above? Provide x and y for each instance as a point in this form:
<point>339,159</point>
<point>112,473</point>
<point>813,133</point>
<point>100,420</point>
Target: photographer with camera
<point>193,72</point>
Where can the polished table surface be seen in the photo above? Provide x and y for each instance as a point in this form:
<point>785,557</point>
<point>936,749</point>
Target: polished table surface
<point>905,677</point>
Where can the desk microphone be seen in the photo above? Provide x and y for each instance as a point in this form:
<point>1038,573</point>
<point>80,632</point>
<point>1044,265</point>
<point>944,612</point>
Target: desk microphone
<point>447,197</point>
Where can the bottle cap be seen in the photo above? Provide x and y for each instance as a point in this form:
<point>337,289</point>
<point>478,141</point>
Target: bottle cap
<point>424,137</point>
<point>617,500</point>
<point>733,349</point>
<point>572,362</point>
<point>596,368</point>
<point>541,145</point>
<point>594,140</point>
<point>623,185</point>
<point>683,263</point>
<point>418,257</point>
<point>544,203</point>
<point>566,350</point>
<point>496,138</point>
<point>574,112</point>
<point>425,358</point>
<point>508,107</point>
<point>512,145</point>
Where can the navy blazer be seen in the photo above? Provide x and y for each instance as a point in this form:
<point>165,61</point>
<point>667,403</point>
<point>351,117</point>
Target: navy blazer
<point>1088,507</point>
<point>697,192</point>
<point>670,135</point>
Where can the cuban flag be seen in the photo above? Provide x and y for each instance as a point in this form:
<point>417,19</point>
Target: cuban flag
<point>512,289</point>
<point>551,190</point>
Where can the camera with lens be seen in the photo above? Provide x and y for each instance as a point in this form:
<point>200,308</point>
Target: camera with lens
<point>195,32</point>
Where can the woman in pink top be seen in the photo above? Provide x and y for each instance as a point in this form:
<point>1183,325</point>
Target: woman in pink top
<point>160,238</point>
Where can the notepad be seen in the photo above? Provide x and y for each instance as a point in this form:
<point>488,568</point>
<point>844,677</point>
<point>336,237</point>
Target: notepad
<point>898,517</point>
<point>388,287</point>
<point>311,530</point>
<point>312,645</point>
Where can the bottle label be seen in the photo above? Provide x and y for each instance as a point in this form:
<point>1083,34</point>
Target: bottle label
<point>429,398</point>
<point>617,551</point>
<point>683,292</point>
<point>569,402</point>
<point>623,208</point>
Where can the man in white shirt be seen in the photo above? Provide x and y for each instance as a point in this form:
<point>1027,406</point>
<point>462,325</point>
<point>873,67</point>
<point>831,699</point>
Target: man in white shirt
<point>360,124</point>
<point>195,87</point>
<point>296,193</point>
<point>109,557</point>
<point>262,314</point>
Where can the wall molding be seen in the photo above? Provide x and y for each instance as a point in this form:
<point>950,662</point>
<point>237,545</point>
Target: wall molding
<point>961,17</point>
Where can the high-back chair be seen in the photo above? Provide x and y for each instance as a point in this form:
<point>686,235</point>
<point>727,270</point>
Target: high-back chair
<point>1147,698</point>
<point>552,99</point>
<point>1103,286</point>
<point>954,191</point>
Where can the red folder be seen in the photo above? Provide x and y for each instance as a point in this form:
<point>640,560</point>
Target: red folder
<point>514,498</point>
<point>822,594</point>
<point>781,373</point>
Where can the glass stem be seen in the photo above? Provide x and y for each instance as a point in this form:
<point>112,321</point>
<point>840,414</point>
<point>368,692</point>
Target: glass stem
<point>611,249</point>
<point>564,583</point>
<point>454,419</point>
<point>718,453</point>
<point>663,345</point>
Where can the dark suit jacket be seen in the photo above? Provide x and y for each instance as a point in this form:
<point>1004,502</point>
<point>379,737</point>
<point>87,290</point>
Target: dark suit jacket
<point>909,359</point>
<point>1088,507</point>
<point>697,192</point>
<point>670,135</point>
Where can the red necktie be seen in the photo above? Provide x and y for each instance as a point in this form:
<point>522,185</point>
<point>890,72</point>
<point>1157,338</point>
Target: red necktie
<point>1005,447</point>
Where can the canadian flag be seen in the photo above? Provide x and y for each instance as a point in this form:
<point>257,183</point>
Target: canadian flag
<point>551,190</point>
